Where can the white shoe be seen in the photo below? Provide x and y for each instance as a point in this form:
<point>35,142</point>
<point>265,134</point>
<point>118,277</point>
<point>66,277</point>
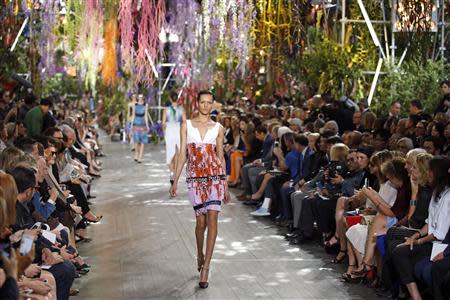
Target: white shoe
<point>261,212</point>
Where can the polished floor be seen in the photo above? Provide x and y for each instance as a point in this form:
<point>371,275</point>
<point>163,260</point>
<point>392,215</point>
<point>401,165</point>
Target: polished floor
<point>144,248</point>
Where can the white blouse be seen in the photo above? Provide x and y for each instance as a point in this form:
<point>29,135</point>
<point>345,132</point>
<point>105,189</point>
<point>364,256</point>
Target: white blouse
<point>439,215</point>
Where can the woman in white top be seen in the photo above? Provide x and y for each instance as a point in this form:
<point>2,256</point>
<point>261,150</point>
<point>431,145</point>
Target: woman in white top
<point>172,117</point>
<point>420,245</point>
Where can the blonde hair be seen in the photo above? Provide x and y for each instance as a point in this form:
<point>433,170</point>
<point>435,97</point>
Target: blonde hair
<point>339,152</point>
<point>422,163</point>
<point>8,157</point>
<point>9,189</point>
<point>368,120</point>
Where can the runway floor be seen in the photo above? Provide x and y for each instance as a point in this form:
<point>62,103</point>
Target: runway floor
<point>144,248</point>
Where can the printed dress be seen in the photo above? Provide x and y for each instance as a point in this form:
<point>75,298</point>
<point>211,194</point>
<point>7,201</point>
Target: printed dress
<point>205,176</point>
<point>140,130</point>
<point>172,133</point>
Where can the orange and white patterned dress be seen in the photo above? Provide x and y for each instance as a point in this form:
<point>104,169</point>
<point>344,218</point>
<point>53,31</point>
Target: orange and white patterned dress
<point>205,176</point>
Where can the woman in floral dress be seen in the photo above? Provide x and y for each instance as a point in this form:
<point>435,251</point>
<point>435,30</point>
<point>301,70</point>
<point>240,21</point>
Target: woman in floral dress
<point>205,176</point>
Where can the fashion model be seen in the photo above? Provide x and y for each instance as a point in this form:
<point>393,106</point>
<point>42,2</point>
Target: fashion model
<point>140,127</point>
<point>205,176</point>
<point>172,117</point>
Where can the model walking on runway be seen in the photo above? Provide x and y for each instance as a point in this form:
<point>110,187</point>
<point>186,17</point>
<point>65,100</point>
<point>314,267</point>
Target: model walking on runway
<point>173,116</point>
<point>202,149</point>
<point>140,127</point>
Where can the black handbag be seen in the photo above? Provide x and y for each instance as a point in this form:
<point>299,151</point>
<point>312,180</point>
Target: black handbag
<point>397,235</point>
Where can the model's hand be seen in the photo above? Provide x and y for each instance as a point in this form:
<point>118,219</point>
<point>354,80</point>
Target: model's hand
<point>227,196</point>
<point>173,190</point>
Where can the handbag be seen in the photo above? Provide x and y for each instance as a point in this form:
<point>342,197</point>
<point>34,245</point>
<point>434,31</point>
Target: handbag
<point>397,235</point>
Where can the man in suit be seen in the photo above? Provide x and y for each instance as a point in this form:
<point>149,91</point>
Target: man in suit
<point>250,171</point>
<point>301,145</point>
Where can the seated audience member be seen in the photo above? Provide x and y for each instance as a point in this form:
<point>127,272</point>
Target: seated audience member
<point>420,244</point>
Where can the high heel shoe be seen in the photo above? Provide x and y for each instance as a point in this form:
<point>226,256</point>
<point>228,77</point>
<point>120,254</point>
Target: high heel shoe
<point>200,262</point>
<point>359,275</point>
<point>94,221</point>
<point>338,259</point>
<point>203,284</point>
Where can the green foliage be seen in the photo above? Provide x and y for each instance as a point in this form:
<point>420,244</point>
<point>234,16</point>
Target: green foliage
<point>60,84</point>
<point>115,103</point>
<point>13,62</point>
<point>413,80</point>
<point>331,67</point>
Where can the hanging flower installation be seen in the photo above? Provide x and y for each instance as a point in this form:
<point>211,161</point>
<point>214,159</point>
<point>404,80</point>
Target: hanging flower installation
<point>47,38</point>
<point>90,42</point>
<point>72,23</point>
<point>109,65</point>
<point>152,19</point>
<point>127,33</point>
<point>217,33</point>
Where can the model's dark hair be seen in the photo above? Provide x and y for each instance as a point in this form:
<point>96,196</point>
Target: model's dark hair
<point>439,166</point>
<point>204,92</point>
<point>173,96</point>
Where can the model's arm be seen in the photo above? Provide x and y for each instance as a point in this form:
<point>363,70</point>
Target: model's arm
<point>219,147</point>
<point>146,116</point>
<point>163,122</point>
<point>181,159</point>
<point>132,114</point>
<point>183,115</point>
<point>221,157</point>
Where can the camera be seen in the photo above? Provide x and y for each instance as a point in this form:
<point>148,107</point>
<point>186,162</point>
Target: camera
<point>336,168</point>
<point>276,144</point>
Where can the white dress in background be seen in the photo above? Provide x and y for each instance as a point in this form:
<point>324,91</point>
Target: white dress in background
<point>172,133</point>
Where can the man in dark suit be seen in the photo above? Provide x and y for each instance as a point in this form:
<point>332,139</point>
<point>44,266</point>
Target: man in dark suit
<point>250,171</point>
<point>301,145</point>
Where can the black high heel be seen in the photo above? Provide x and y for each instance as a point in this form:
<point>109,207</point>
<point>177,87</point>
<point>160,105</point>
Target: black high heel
<point>203,284</point>
<point>337,260</point>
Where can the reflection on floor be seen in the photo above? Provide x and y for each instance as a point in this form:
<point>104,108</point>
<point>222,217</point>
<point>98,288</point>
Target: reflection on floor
<point>144,248</point>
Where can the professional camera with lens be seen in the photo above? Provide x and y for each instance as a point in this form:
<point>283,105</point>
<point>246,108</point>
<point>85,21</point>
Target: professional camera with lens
<point>335,168</point>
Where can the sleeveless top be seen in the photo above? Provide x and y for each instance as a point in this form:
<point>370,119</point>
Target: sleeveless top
<point>174,114</point>
<point>193,134</point>
<point>139,116</point>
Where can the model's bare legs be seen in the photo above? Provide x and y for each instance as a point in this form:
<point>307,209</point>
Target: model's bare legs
<point>200,236</point>
<point>211,220</point>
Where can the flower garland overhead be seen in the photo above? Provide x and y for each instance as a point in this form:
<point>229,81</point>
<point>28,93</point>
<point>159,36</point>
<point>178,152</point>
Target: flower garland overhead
<point>152,19</point>
<point>90,42</point>
<point>127,31</point>
<point>109,65</point>
<point>47,39</point>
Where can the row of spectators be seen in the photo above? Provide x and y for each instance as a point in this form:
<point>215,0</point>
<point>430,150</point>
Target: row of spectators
<point>48,160</point>
<point>373,190</point>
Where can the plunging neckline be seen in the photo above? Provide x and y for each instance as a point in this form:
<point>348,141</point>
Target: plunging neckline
<point>199,133</point>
